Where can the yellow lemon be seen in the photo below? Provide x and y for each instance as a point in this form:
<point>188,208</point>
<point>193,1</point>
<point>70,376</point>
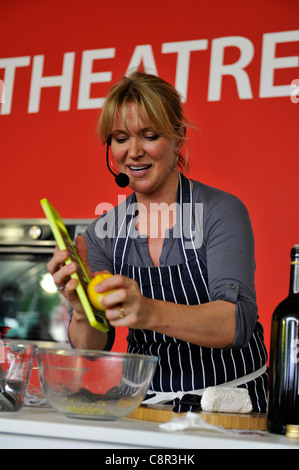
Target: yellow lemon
<point>96,297</point>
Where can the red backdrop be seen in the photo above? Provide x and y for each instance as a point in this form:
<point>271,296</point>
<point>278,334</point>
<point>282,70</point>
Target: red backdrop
<point>234,63</point>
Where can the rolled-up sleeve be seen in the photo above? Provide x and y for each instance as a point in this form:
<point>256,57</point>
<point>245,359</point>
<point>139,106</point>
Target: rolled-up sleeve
<point>229,245</point>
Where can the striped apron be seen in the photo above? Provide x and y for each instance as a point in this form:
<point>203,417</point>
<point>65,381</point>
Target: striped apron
<point>184,369</point>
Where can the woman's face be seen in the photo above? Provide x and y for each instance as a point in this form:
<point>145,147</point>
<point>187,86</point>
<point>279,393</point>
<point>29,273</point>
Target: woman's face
<point>146,157</point>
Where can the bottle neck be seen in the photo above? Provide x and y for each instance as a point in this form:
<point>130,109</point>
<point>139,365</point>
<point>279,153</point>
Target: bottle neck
<point>294,278</point>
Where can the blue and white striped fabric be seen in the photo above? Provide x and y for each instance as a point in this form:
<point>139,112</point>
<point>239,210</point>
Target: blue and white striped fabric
<point>184,366</point>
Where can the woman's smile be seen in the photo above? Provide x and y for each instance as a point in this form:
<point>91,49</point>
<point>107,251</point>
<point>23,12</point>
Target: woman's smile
<point>138,171</point>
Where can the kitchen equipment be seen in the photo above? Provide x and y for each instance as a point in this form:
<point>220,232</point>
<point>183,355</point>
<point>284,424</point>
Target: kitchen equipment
<point>16,361</point>
<point>164,413</point>
<point>30,304</point>
<point>96,319</point>
<point>94,385</point>
<point>8,398</point>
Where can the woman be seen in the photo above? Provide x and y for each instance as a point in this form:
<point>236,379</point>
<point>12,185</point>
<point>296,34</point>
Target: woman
<point>182,254</point>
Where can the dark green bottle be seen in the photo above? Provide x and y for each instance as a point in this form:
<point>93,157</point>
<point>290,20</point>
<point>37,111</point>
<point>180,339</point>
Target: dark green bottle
<point>283,408</point>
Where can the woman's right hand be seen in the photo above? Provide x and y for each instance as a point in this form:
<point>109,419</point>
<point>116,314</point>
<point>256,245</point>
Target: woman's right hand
<point>61,273</point>
<point>82,335</point>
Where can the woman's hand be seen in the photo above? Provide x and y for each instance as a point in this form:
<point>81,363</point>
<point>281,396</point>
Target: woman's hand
<point>81,333</point>
<point>61,273</point>
<point>126,306</point>
<point>210,325</point>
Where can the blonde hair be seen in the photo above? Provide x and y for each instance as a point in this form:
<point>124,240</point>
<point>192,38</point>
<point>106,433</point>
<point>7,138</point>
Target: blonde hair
<point>157,99</point>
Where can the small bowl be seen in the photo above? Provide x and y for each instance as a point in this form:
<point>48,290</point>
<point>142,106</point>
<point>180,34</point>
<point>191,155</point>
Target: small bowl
<point>16,361</point>
<point>94,385</point>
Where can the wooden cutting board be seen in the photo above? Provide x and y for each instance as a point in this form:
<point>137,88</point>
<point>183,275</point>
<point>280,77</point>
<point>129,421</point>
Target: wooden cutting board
<point>251,421</point>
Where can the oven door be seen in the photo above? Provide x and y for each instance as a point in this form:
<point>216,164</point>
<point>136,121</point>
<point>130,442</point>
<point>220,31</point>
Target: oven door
<point>29,301</point>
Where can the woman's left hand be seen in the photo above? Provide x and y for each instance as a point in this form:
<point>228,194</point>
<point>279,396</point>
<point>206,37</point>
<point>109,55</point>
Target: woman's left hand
<point>126,306</point>
<point>211,324</point>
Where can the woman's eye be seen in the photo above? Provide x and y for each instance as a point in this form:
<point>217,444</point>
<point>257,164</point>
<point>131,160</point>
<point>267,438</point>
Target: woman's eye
<point>151,137</point>
<point>120,140</point>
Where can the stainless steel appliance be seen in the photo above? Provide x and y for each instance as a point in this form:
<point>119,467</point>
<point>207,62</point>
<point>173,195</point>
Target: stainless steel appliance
<point>29,301</point>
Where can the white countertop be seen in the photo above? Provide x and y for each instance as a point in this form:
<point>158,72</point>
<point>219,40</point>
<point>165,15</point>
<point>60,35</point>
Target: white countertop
<point>44,428</point>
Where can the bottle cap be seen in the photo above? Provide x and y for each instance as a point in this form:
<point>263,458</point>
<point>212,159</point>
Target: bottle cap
<point>295,250</point>
<point>295,253</point>
<point>292,431</point>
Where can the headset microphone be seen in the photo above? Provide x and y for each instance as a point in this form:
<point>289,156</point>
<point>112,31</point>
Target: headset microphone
<point>121,179</point>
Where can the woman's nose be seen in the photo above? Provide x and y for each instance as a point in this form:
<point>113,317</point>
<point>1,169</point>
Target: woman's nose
<point>135,147</point>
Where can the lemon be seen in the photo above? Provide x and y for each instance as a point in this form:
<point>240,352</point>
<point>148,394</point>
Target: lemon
<point>97,297</point>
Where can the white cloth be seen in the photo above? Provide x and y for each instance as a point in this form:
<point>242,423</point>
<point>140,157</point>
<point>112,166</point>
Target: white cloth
<point>191,421</point>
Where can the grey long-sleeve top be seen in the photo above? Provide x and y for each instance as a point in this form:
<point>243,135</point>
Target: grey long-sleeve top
<point>226,251</point>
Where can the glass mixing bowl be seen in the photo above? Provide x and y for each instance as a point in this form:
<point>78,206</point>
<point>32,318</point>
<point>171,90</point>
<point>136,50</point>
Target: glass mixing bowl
<point>94,384</point>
